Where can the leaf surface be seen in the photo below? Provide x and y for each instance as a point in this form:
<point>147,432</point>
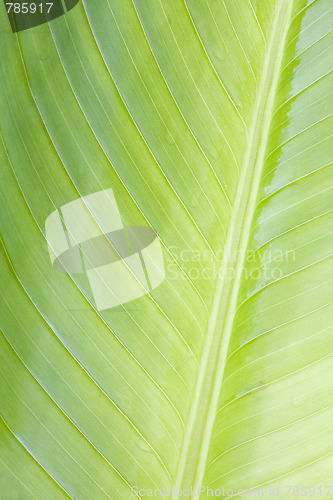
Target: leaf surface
<point>211,121</point>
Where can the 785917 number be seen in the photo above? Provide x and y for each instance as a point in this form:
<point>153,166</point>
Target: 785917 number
<point>26,8</point>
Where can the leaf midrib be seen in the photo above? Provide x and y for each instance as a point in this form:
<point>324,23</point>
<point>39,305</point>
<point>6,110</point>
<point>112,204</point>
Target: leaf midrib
<point>193,457</point>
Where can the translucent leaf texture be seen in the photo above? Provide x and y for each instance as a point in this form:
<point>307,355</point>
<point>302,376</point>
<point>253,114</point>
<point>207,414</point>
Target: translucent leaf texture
<point>212,123</point>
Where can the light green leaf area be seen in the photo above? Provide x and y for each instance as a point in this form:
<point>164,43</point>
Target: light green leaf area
<point>212,122</point>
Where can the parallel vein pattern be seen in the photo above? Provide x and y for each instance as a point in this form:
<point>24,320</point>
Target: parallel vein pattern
<point>212,122</point>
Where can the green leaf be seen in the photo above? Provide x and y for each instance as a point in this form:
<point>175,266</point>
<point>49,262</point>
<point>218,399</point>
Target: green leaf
<point>211,122</point>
